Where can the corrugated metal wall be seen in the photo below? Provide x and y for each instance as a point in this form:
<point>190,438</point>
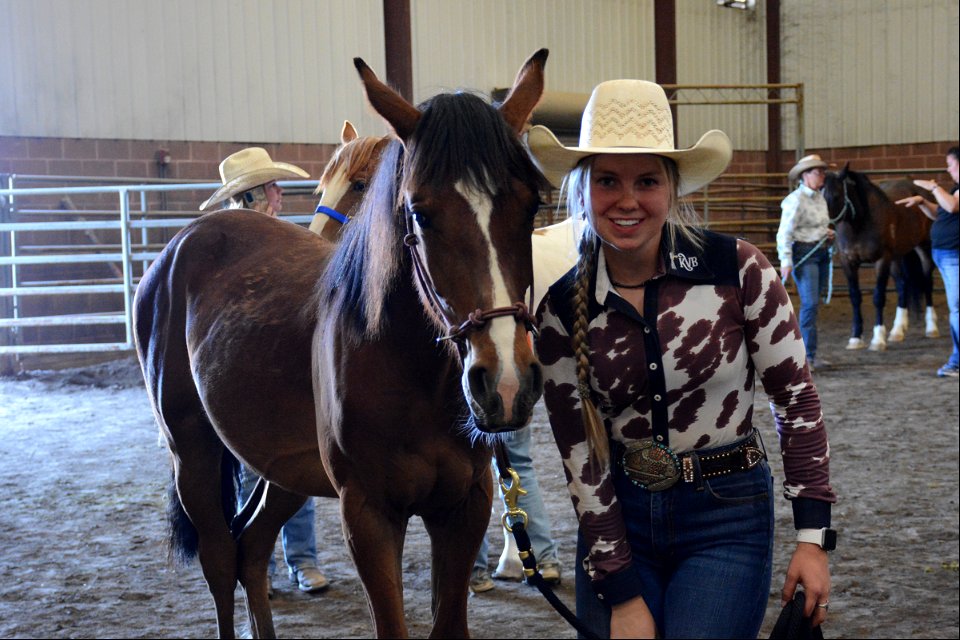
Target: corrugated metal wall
<point>481,45</point>
<point>235,70</point>
<point>716,45</point>
<point>875,71</point>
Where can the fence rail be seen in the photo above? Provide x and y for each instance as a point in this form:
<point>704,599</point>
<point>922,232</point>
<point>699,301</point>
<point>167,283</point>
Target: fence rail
<point>67,285</point>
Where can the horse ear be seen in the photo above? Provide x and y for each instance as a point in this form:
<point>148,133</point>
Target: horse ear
<point>392,107</point>
<point>348,133</point>
<point>526,91</point>
<point>845,171</point>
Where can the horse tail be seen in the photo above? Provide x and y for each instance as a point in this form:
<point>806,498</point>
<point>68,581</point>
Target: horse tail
<point>183,540</point>
<point>914,283</point>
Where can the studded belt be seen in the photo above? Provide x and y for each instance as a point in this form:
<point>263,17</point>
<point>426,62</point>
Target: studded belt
<point>655,467</point>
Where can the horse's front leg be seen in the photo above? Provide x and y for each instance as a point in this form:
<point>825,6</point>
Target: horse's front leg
<point>851,271</point>
<point>455,538</point>
<point>375,536</point>
<point>256,545</point>
<point>879,341</point>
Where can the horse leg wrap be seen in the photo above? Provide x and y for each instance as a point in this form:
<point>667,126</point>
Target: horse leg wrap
<point>932,331</point>
<point>879,342</point>
<point>900,325</point>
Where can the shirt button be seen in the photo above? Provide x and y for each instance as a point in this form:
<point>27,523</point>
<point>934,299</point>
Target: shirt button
<point>657,397</point>
<point>653,366</point>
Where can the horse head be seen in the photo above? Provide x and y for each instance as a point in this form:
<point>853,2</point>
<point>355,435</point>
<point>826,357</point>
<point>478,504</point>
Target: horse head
<point>345,180</point>
<point>467,195</point>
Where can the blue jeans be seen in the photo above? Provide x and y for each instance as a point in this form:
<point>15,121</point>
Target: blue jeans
<point>948,262</point>
<point>298,534</point>
<point>538,522</point>
<point>704,551</point>
<point>812,278</point>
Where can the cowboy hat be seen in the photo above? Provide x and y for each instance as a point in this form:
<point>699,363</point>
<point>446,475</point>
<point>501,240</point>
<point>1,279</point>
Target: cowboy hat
<point>246,169</point>
<point>631,117</point>
<point>806,163</point>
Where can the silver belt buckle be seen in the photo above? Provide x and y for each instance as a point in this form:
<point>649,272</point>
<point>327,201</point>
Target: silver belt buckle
<point>651,465</point>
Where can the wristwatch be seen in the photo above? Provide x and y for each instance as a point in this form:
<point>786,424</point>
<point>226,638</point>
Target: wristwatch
<point>826,539</point>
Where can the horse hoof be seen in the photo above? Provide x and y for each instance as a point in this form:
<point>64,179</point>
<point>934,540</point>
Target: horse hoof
<point>933,333</point>
<point>855,344</point>
<point>878,346</point>
<point>895,336</point>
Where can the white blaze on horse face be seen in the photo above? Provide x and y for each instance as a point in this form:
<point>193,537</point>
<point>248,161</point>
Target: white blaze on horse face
<point>502,330</point>
<point>336,188</point>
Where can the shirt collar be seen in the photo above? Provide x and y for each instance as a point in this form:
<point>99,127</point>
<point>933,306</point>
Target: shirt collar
<point>686,261</point>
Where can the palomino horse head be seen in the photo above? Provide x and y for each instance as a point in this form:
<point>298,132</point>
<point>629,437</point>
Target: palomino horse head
<point>465,195</point>
<point>345,180</point>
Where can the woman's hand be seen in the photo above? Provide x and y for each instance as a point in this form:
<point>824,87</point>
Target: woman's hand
<point>911,201</point>
<point>809,567</point>
<point>632,619</point>
<point>929,185</point>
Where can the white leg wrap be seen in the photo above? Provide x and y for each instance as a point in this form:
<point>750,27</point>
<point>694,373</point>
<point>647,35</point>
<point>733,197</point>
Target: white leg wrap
<point>856,343</point>
<point>879,342</point>
<point>509,566</point>
<point>932,331</point>
<point>900,325</point>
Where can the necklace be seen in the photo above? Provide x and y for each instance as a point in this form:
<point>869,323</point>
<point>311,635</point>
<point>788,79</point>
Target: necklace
<point>619,285</point>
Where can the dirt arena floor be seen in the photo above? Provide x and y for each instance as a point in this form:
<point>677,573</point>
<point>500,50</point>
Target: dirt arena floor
<point>82,501</point>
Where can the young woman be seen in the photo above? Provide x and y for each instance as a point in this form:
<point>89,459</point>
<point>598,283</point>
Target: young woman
<point>651,348</point>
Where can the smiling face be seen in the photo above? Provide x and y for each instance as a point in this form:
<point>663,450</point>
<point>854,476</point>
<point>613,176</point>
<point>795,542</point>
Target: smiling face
<point>630,199</point>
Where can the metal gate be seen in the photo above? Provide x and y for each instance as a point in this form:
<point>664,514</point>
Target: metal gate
<point>68,273</point>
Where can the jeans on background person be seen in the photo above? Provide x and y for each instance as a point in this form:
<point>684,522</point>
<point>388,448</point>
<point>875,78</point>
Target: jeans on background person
<point>812,278</point>
<point>298,534</point>
<point>538,522</point>
<point>709,541</point>
<point>948,262</point>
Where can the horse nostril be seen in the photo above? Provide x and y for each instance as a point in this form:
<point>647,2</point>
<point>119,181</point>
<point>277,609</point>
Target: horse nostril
<point>536,378</point>
<point>476,378</point>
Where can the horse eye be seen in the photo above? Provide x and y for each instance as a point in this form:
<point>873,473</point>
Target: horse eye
<point>422,220</point>
<point>359,186</point>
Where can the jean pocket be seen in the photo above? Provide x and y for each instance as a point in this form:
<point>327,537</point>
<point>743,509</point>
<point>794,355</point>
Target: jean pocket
<point>754,485</point>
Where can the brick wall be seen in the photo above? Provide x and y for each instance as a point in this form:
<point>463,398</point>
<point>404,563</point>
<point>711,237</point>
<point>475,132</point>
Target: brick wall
<point>138,158</point>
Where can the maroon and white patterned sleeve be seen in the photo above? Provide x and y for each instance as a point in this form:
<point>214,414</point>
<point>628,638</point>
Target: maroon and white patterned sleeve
<point>777,352</point>
<point>591,488</point>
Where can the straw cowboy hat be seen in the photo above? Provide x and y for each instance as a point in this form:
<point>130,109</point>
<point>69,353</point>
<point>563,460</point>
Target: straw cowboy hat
<point>629,117</point>
<point>807,162</point>
<point>249,168</point>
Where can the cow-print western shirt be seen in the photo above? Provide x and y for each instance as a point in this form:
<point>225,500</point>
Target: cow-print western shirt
<point>717,319</point>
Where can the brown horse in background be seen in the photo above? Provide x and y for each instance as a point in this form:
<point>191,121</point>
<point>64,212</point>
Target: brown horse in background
<point>226,316</point>
<point>871,227</point>
<point>344,181</point>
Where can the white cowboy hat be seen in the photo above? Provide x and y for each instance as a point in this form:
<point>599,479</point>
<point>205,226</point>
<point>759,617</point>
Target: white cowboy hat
<point>249,168</point>
<point>631,116</point>
<point>806,163</point>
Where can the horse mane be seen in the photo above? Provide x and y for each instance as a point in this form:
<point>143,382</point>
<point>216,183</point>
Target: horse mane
<point>459,137</point>
<point>866,186</point>
<point>355,154</point>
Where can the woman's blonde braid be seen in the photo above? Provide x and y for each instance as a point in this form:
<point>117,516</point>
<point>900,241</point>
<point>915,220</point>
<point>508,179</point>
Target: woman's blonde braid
<point>592,424</point>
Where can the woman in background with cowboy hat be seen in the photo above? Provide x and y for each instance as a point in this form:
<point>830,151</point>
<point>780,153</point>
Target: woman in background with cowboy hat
<point>803,245</point>
<point>651,347</point>
<point>249,179</point>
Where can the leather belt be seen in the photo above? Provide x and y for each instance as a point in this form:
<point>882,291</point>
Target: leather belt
<point>657,468</point>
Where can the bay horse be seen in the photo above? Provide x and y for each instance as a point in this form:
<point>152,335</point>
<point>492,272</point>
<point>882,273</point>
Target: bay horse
<point>320,368</point>
<point>871,227</point>
<point>344,180</point>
